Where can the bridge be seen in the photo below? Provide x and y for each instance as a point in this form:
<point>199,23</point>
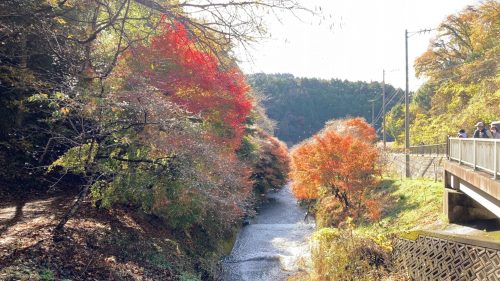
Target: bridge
<point>472,179</point>
<point>469,249</point>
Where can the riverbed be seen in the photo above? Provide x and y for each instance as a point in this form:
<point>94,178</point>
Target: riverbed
<point>274,245</point>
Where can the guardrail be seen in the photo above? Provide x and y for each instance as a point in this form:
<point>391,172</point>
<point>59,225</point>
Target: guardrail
<point>430,149</point>
<point>479,154</point>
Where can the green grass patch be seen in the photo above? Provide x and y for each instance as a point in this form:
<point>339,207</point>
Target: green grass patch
<point>46,274</point>
<point>159,260</point>
<point>407,205</point>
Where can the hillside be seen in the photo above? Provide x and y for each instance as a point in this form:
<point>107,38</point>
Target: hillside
<point>301,106</point>
<point>118,244</point>
<point>462,78</point>
<point>341,252</point>
<point>129,146</point>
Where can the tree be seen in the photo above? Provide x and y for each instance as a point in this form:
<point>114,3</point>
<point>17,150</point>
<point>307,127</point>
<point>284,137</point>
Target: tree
<point>337,167</point>
<point>149,153</point>
<point>193,79</point>
<point>271,164</point>
<point>301,106</point>
<point>73,113</point>
<point>72,47</point>
<point>461,65</point>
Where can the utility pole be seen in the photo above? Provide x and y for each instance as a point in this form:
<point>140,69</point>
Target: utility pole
<point>407,115</point>
<point>373,112</point>
<point>383,106</point>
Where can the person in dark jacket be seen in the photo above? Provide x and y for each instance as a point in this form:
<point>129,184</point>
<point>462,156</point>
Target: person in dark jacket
<point>480,132</point>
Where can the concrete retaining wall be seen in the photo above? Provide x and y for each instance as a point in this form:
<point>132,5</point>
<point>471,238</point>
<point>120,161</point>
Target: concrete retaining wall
<point>420,166</point>
<point>435,257</point>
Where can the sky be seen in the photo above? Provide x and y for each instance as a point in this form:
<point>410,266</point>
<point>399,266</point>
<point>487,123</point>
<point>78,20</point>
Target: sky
<point>350,39</point>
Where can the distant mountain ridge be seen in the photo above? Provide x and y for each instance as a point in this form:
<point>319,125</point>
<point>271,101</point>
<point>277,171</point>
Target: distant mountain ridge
<point>301,106</point>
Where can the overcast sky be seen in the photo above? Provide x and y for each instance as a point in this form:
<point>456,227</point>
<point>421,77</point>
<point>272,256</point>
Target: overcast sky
<point>355,40</point>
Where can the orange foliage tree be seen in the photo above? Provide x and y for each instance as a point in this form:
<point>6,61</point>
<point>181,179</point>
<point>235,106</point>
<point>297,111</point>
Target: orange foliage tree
<point>337,168</point>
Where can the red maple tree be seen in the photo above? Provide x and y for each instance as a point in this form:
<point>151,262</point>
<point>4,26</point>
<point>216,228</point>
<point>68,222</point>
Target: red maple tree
<point>192,78</point>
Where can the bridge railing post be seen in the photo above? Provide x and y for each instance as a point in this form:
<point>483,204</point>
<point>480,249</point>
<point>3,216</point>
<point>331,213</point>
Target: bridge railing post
<point>495,160</point>
<point>447,147</point>
<point>475,155</point>
<point>460,151</point>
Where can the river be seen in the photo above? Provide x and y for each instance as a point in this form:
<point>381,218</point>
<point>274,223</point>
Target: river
<point>274,245</point>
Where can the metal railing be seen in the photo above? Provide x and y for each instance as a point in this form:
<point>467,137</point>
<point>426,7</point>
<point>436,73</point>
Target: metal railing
<point>430,149</point>
<point>479,154</point>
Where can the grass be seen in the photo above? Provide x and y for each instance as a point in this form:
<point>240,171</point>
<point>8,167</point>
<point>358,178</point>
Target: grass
<point>46,274</point>
<point>407,205</point>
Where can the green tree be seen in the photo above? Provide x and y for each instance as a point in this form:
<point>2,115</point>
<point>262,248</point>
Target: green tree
<point>461,65</point>
<point>301,106</point>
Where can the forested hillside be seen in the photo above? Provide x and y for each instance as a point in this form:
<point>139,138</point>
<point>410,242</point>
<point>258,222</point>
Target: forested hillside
<point>136,107</point>
<point>301,106</point>
<point>461,67</point>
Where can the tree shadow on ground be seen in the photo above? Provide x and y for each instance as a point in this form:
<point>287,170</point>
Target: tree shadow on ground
<point>27,207</point>
<point>97,244</point>
<point>18,215</point>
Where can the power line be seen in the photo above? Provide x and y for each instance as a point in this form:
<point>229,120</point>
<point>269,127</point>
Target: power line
<point>379,115</point>
<point>396,104</point>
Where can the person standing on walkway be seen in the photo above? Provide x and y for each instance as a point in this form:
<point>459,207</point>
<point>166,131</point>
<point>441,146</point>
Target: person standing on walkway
<point>495,134</point>
<point>480,132</point>
<point>462,134</point>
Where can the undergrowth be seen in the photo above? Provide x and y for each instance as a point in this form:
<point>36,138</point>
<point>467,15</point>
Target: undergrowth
<point>362,252</point>
<point>407,204</point>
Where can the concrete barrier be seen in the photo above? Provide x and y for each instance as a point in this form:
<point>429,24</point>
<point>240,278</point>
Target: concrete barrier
<point>432,256</point>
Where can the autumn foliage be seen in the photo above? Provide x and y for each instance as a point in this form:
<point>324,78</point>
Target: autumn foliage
<point>337,168</point>
<point>461,71</point>
<point>271,168</point>
<point>194,79</point>
<point>141,108</point>
<point>172,78</point>
<point>177,160</point>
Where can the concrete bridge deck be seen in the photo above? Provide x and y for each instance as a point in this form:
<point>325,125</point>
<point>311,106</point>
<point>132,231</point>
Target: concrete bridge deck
<point>472,180</point>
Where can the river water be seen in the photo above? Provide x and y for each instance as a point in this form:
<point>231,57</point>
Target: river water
<point>272,247</point>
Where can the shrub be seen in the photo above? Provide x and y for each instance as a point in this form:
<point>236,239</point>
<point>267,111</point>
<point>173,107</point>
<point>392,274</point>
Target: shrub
<point>340,254</point>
